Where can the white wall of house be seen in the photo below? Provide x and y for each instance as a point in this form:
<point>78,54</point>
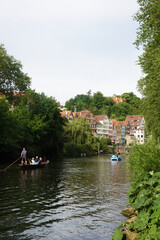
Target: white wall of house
<point>110,131</point>
<point>142,123</point>
<point>139,134</point>
<point>102,129</point>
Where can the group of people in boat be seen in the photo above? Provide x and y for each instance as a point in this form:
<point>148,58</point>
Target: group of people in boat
<point>117,156</point>
<point>35,160</point>
<point>32,161</point>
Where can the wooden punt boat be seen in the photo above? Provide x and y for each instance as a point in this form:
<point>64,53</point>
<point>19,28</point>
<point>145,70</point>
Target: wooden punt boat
<point>34,166</point>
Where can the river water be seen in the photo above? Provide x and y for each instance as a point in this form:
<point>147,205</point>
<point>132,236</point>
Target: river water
<point>70,199</point>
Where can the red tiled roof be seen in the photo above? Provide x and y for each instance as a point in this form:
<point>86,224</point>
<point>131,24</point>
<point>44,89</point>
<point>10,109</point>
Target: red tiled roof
<point>99,117</point>
<point>66,113</point>
<point>116,99</point>
<point>134,120</point>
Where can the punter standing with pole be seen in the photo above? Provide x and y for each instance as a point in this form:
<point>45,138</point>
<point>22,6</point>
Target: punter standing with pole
<point>24,156</point>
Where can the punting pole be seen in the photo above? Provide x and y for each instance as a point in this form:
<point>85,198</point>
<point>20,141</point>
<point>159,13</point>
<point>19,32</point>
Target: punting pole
<point>10,164</point>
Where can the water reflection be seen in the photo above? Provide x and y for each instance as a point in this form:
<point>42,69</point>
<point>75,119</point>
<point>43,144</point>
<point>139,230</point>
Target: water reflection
<point>70,199</point>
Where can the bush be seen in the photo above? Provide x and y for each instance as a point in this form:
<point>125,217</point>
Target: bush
<point>75,150</point>
<point>145,197</point>
<point>143,158</point>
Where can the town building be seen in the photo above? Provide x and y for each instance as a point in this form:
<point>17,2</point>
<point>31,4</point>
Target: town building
<point>135,121</point>
<point>89,117</point>
<point>68,115</point>
<point>139,134</point>
<point>102,126</point>
<point>110,130</point>
<point>123,133</point>
<point>117,99</point>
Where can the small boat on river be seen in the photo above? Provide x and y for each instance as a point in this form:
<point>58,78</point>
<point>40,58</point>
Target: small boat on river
<point>34,166</point>
<point>119,158</point>
<point>115,158</point>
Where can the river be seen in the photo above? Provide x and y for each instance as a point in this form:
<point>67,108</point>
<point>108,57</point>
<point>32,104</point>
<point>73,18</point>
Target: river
<point>70,199</point>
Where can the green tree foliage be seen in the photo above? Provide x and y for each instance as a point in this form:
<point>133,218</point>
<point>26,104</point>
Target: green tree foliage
<point>35,123</point>
<point>78,138</point>
<point>99,104</point>
<point>121,110</point>
<point>143,158</point>
<point>145,198</point>
<point>144,195</point>
<point>98,100</point>
<point>80,102</point>
<point>41,123</point>
<point>70,105</point>
<point>101,145</point>
<point>76,150</point>
<point>9,131</point>
<point>79,131</point>
<point>11,76</point>
<point>132,99</point>
<point>148,38</point>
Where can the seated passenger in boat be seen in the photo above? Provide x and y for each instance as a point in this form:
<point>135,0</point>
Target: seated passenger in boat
<point>36,159</point>
<point>40,160</point>
<point>32,161</point>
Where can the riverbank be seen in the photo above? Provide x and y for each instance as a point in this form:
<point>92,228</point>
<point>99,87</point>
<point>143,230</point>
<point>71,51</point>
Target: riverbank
<point>144,215</point>
<point>144,195</point>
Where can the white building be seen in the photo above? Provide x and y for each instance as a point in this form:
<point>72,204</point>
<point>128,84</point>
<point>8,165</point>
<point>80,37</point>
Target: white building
<point>139,134</point>
<point>110,132</point>
<point>102,126</point>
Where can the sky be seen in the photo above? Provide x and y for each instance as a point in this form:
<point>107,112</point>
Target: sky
<point>69,47</point>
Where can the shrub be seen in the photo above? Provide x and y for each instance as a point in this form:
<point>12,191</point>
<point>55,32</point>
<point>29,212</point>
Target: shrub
<point>75,150</point>
<point>145,197</point>
<point>143,158</point>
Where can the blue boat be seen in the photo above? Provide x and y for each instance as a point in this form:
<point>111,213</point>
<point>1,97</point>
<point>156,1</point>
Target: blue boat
<point>115,158</point>
<point>118,158</point>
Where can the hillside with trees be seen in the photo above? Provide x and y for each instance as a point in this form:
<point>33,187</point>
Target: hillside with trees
<point>99,104</point>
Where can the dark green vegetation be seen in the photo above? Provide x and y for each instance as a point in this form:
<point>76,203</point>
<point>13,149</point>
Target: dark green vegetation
<point>144,195</point>
<point>99,104</point>
<point>148,38</point>
<point>34,123</point>
<point>144,161</point>
<point>145,198</point>
<point>78,139</point>
<point>28,120</point>
<point>11,76</point>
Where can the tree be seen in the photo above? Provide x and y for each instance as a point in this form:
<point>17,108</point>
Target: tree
<point>70,105</point>
<point>79,131</point>
<point>9,131</point>
<point>148,34</point>
<point>132,99</point>
<point>44,111</point>
<point>80,102</point>
<point>11,76</point>
<point>40,124</point>
<point>98,100</point>
<point>121,110</point>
